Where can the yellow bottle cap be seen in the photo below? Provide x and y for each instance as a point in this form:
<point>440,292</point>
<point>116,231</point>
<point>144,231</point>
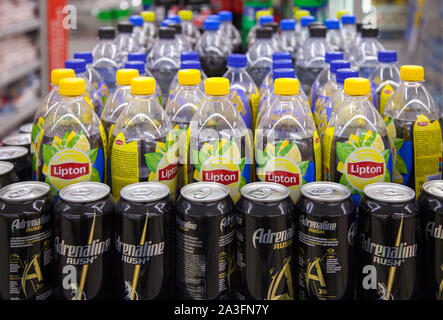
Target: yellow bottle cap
<point>357,86</point>
<point>341,13</point>
<point>286,86</point>
<point>189,77</point>
<point>72,86</point>
<point>217,86</point>
<point>143,85</point>
<point>412,73</point>
<point>148,16</point>
<point>58,74</point>
<point>185,15</point>
<point>125,76</point>
<point>260,13</point>
<point>301,13</point>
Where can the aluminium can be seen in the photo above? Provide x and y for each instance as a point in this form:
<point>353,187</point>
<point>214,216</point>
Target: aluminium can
<point>20,158</point>
<point>18,140</point>
<point>7,174</point>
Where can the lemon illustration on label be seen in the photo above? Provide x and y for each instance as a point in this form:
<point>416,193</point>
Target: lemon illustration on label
<point>36,138</point>
<point>363,160</point>
<point>239,101</point>
<point>282,163</point>
<point>180,132</point>
<point>221,162</point>
<point>401,150</point>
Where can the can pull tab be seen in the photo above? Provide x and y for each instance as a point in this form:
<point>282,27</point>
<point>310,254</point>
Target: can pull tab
<point>145,193</point>
<point>261,193</point>
<point>82,193</point>
<point>321,191</point>
<point>202,193</point>
<point>20,192</point>
<point>391,193</point>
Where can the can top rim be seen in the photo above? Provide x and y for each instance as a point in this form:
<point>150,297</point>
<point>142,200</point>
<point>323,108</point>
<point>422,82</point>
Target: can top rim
<point>26,128</point>
<point>24,191</point>
<point>264,192</point>
<point>84,192</point>
<point>14,151</point>
<point>5,167</point>
<point>21,136</point>
<point>434,188</point>
<point>144,192</point>
<point>324,191</point>
<point>389,192</point>
<point>204,191</point>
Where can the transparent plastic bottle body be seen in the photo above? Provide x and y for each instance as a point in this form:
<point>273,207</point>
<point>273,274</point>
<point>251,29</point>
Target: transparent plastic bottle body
<point>73,145</point>
<point>163,62</point>
<point>333,37</point>
<point>303,37</point>
<point>356,146</point>
<point>414,125</point>
<point>260,59</point>
<point>287,147</point>
<point>385,79</point>
<point>149,35</point>
<point>288,42</point>
<point>191,32</point>
<point>125,44</point>
<point>220,145</point>
<point>180,111</point>
<point>175,85</point>
<point>322,108</point>
<point>105,54</point>
<point>311,61</point>
<point>228,29</point>
<point>365,56</point>
<point>90,91</point>
<point>322,78</point>
<point>213,52</point>
<point>348,36</point>
<point>336,99</point>
<point>139,36</point>
<point>244,94</point>
<point>143,141</point>
<point>100,89</point>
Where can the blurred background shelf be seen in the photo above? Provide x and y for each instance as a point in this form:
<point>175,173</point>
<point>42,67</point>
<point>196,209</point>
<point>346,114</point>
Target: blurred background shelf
<point>13,119</point>
<point>19,73</point>
<point>20,28</point>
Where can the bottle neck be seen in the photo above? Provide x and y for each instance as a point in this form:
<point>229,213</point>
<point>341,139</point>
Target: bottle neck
<point>188,87</point>
<point>236,69</point>
<point>217,98</point>
<point>357,98</point>
<point>286,97</point>
<point>412,83</point>
<point>143,96</point>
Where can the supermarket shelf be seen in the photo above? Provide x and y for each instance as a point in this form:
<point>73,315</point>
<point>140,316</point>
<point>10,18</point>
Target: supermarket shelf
<point>20,28</point>
<point>19,73</point>
<point>12,120</point>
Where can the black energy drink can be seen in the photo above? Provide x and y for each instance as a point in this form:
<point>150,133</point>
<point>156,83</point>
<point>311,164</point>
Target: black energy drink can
<point>326,223</point>
<point>265,239</point>
<point>26,248</point>
<point>84,242</point>
<point>143,240</point>
<point>430,203</point>
<point>18,140</point>
<point>205,248</point>
<point>20,158</point>
<point>388,243</point>
<point>7,174</point>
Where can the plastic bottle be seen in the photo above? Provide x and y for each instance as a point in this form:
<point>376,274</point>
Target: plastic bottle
<point>322,108</point>
<point>164,59</point>
<point>124,42</point>
<point>276,64</point>
<point>365,56</point>
<point>189,64</point>
<point>149,29</point>
<point>259,55</point>
<point>413,121</point>
<point>275,38</point>
<point>348,35</point>
<point>287,146</point>
<point>137,32</point>
<point>220,145</point>
<point>311,60</point>
<point>143,141</point>
<point>79,67</point>
<point>243,92</point>
<point>385,79</point>
<point>73,144</point>
<point>183,44</point>
<point>333,35</point>
<point>304,30</point>
<point>190,30</point>
<point>356,146</point>
<point>324,76</point>
<point>119,101</point>
<point>101,91</point>
<point>227,28</point>
<point>105,55</point>
<point>338,96</point>
<point>51,99</point>
<point>252,35</point>
<point>298,15</point>
<point>288,38</point>
<point>180,110</point>
<point>212,49</point>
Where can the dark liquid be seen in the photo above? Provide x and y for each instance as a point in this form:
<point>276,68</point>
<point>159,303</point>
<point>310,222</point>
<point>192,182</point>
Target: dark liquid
<point>213,65</point>
<point>258,74</point>
<point>307,76</point>
<point>164,77</point>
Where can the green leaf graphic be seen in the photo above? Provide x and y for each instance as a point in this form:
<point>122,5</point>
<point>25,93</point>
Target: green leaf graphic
<point>286,149</point>
<point>344,181</point>
<point>388,121</point>
<point>344,150</point>
<point>34,132</point>
<point>92,154</point>
<point>242,182</point>
<point>215,148</point>
<point>95,175</point>
<point>387,176</point>
<point>225,147</point>
<point>161,148</point>
<point>303,165</point>
<point>401,165</point>
<point>362,137</point>
<point>152,160</point>
<point>386,154</point>
<point>195,160</point>
<point>65,138</point>
<point>277,147</point>
<point>73,141</point>
<point>369,142</point>
<point>48,152</point>
<point>262,158</point>
<point>242,164</point>
<point>398,143</point>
